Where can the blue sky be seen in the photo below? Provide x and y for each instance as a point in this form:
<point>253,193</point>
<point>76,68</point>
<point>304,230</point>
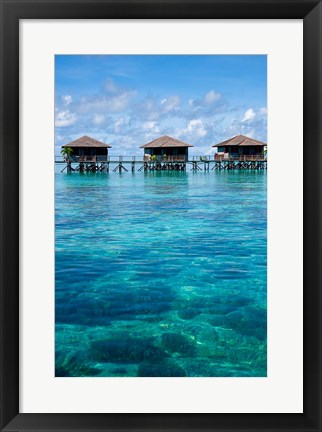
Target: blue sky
<point>129,100</point>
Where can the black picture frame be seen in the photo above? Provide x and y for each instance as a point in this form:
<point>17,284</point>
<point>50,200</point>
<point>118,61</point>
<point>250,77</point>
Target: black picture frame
<point>11,12</point>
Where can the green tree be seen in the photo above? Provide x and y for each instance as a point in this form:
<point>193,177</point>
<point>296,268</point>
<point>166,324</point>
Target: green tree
<point>66,153</point>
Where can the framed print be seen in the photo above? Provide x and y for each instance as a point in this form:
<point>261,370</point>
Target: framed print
<point>160,210</point>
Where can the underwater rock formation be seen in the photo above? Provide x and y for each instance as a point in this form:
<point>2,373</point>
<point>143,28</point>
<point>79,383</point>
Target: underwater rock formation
<point>131,350</point>
<point>164,369</point>
<point>178,343</point>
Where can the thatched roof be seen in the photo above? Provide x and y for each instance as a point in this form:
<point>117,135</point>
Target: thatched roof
<point>86,141</point>
<point>240,140</point>
<point>165,141</point>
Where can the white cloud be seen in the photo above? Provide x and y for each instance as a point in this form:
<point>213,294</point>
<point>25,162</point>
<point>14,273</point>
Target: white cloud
<point>152,108</point>
<point>107,103</point>
<point>127,145</point>
<point>110,86</point>
<point>170,104</point>
<point>194,130</point>
<point>67,99</point>
<point>151,130</point>
<point>120,102</point>
<point>196,126</point>
<point>211,97</point>
<point>252,123</point>
<point>112,99</point>
<point>65,118</point>
<point>249,115</point>
<point>146,109</point>
<point>59,137</point>
<point>151,126</point>
<point>98,119</point>
<point>119,125</point>
<point>262,111</point>
<point>208,105</point>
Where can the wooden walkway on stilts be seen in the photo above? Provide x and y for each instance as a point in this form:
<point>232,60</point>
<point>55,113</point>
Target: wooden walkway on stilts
<point>195,164</point>
<point>240,165</point>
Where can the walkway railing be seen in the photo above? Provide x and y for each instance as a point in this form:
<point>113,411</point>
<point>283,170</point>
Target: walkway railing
<point>240,158</point>
<point>89,158</point>
<point>179,158</point>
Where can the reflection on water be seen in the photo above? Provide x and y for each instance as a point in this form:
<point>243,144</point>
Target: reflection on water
<point>161,274</point>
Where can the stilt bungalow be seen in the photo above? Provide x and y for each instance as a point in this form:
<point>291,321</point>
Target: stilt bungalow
<point>241,148</point>
<point>166,149</point>
<point>87,149</point>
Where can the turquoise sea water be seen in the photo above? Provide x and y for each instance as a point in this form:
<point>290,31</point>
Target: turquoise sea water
<point>161,274</point>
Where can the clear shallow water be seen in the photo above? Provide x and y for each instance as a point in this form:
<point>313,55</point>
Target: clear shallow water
<point>161,274</point>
